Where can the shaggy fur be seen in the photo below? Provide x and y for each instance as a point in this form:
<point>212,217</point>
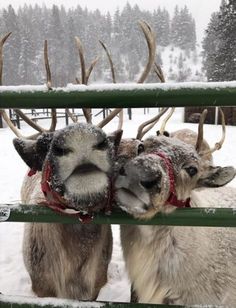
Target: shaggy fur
<point>175,265</point>
<point>69,261</point>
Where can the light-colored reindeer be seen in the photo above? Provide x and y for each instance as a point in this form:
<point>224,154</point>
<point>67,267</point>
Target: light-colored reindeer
<point>74,170</point>
<point>175,265</point>
<point>74,166</point>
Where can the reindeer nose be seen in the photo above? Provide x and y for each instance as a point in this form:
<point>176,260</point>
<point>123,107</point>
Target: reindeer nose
<point>122,171</point>
<point>152,183</point>
<point>149,184</point>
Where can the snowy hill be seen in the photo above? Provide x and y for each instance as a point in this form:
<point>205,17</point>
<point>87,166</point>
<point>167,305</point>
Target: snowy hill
<point>182,65</point>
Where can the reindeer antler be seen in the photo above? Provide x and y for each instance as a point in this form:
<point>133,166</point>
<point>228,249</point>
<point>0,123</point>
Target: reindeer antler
<point>2,42</point>
<point>219,144</point>
<point>151,123</point>
<point>151,42</point>
<point>109,117</point>
<point>159,72</point>
<point>85,74</point>
<point>163,125</point>
<point>200,131</point>
<point>121,113</point>
<point>110,61</point>
<point>19,112</point>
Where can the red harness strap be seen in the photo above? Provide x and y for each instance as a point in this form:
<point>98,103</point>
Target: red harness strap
<point>57,203</point>
<point>172,199</point>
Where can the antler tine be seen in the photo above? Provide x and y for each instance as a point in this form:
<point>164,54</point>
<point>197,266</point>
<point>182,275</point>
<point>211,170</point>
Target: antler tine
<point>47,66</point>
<point>29,121</point>
<point>19,112</point>
<point>14,129</point>
<point>110,61</point>
<point>151,42</point>
<point>159,72</point>
<point>84,76</point>
<point>53,120</point>
<point>121,114</point>
<point>82,61</point>
<point>200,131</point>
<point>10,124</point>
<point>2,42</point>
<point>49,86</point>
<point>90,69</point>
<point>71,115</point>
<point>163,125</point>
<point>109,117</point>
<point>218,145</point>
<point>152,121</point>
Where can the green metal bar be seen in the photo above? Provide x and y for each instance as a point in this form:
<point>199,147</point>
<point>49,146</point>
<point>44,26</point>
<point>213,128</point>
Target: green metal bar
<point>125,95</point>
<point>215,217</point>
<point>30,302</point>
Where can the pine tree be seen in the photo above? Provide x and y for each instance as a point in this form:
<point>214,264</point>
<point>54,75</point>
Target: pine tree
<point>220,44</point>
<point>175,25</point>
<point>12,47</point>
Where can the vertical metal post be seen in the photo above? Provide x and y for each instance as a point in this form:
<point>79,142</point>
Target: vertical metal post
<point>130,113</point>
<point>1,122</point>
<point>18,121</point>
<point>66,118</point>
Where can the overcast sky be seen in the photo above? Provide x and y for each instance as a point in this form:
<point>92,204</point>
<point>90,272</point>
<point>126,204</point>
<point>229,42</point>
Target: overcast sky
<point>201,9</point>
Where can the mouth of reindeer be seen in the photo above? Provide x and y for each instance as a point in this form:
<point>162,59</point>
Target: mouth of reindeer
<point>86,169</point>
<point>72,202</point>
<point>133,203</point>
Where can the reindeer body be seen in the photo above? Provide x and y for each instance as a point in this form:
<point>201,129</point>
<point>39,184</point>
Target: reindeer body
<point>174,265</point>
<point>64,260</point>
<point>181,265</point>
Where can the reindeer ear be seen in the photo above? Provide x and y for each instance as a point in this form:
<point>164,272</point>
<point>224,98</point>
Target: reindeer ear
<point>33,152</point>
<point>115,138</point>
<point>165,133</point>
<point>217,176</point>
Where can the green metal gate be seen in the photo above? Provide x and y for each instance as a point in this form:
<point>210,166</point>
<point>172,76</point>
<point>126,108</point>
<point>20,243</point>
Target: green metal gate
<point>128,95</point>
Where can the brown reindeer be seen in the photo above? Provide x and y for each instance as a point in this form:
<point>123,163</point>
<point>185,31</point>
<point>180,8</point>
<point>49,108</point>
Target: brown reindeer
<point>175,265</point>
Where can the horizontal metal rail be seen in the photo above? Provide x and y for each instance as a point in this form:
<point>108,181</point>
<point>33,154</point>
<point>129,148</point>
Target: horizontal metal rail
<point>30,302</point>
<point>120,95</point>
<point>113,96</point>
<point>211,217</point>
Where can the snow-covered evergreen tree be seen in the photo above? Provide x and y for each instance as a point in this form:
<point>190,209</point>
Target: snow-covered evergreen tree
<point>220,44</point>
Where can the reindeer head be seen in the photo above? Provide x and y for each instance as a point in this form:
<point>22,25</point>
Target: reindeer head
<point>164,175</point>
<point>76,164</point>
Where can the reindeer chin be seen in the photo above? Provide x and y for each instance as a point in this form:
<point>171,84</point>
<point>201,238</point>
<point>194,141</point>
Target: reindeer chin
<point>131,203</point>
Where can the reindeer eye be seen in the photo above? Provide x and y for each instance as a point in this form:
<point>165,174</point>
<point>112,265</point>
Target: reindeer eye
<point>102,145</point>
<point>191,171</point>
<point>140,148</point>
<point>59,151</point>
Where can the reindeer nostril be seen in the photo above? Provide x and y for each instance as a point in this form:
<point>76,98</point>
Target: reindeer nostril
<point>150,184</point>
<point>122,171</point>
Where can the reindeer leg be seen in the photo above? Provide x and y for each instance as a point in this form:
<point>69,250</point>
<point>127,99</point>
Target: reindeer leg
<point>134,296</point>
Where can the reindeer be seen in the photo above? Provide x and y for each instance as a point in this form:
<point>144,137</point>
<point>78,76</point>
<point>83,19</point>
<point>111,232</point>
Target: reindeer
<point>68,261</point>
<point>71,171</point>
<point>174,265</point>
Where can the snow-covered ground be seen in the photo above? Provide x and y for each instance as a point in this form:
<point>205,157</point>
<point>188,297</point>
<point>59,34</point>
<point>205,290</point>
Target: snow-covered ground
<point>14,279</point>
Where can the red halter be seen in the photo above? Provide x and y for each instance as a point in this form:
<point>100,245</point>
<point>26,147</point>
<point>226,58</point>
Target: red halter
<point>57,203</point>
<point>172,199</point>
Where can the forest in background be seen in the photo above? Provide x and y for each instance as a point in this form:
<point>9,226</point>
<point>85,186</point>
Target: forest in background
<point>31,25</point>
<point>219,44</point>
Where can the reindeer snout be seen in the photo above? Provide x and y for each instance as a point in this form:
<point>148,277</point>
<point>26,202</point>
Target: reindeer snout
<point>150,184</point>
<point>142,173</point>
